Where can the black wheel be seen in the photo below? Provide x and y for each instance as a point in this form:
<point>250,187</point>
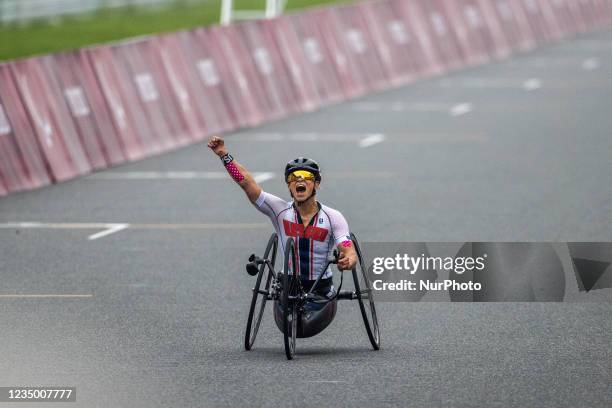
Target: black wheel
<point>366,302</point>
<point>289,303</point>
<point>258,303</point>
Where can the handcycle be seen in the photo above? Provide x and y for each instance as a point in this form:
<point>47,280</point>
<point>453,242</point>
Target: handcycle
<point>292,301</point>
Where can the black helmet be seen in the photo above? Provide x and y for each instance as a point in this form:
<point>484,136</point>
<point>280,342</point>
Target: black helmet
<point>302,163</point>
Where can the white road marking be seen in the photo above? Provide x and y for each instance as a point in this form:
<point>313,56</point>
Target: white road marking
<point>170,175</point>
<point>461,109</point>
<point>98,225</point>
<point>261,177</point>
<point>532,84</point>
<point>45,296</point>
<point>111,229</point>
<point>398,106</point>
<point>328,381</point>
<point>480,83</point>
<point>590,64</point>
<point>372,140</point>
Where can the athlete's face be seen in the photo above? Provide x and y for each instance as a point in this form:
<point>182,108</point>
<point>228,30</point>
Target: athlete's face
<point>301,189</point>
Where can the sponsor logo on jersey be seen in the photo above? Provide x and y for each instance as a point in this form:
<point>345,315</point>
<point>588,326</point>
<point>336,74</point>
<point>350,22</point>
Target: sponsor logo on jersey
<point>293,229</point>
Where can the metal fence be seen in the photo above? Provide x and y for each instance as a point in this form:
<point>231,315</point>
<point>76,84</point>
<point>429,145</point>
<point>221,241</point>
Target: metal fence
<point>22,11</point>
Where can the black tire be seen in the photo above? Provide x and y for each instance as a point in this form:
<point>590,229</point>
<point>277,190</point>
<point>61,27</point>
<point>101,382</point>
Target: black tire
<point>364,296</point>
<point>258,302</point>
<point>289,306</point>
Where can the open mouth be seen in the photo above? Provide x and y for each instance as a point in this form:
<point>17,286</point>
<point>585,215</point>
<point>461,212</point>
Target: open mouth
<point>300,188</point>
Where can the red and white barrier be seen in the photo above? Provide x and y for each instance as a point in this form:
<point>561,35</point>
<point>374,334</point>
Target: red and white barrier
<point>48,113</point>
<point>209,84</point>
<point>318,56</point>
<point>87,107</point>
<point>396,46</point>
<point>416,19</point>
<point>359,47</point>
<point>63,115</point>
<point>22,165</point>
<point>120,97</point>
<point>150,111</point>
<point>271,72</point>
<point>444,39</point>
<point>351,77</point>
<point>501,43</point>
<point>179,86</point>
<point>296,62</point>
<point>246,94</point>
<point>467,22</point>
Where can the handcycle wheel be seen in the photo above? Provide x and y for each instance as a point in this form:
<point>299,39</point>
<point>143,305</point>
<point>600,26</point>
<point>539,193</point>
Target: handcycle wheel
<point>289,302</point>
<point>258,302</point>
<point>364,296</point>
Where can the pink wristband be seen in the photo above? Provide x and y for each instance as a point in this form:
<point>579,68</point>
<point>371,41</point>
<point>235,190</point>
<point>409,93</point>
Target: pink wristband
<point>234,172</point>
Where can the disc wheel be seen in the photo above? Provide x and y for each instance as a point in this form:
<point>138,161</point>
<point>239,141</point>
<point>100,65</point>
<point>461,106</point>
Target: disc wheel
<point>289,301</point>
<point>258,302</point>
<point>364,296</point>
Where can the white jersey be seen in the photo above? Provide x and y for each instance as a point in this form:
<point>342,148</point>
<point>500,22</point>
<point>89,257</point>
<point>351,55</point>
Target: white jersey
<point>315,241</point>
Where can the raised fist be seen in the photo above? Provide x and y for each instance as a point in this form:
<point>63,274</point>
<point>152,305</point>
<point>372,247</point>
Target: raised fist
<point>217,145</point>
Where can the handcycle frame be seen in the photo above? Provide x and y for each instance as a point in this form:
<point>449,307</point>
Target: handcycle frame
<point>287,288</point>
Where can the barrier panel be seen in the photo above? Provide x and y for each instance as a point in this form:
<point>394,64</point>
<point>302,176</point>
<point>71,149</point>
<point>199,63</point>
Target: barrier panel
<point>119,94</point>
<point>271,73</point>
<point>292,54</point>
<point>524,20</point>
<point>202,108</point>
<point>244,90</point>
<point>3,189</point>
<point>351,26</point>
<point>587,11</point>
<point>515,27</point>
<point>416,20</point>
<point>555,25</point>
<point>394,43</point>
<point>601,12</point>
<point>502,48</point>
<point>208,82</point>
<point>318,56</point>
<point>179,104</point>
<point>153,99</point>
<point>568,25</point>
<point>351,77</point>
<point>22,165</point>
<point>48,113</point>
<point>79,108</point>
<point>467,22</point>
<point>87,107</point>
<point>444,38</point>
<point>536,20</point>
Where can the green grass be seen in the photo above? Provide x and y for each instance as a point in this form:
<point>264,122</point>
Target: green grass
<point>111,25</point>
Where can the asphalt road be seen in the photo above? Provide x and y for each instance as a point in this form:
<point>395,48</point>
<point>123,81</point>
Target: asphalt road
<point>153,306</point>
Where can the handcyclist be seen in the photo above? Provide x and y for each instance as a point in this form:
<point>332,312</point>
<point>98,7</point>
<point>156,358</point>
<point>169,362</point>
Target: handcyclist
<point>317,228</point>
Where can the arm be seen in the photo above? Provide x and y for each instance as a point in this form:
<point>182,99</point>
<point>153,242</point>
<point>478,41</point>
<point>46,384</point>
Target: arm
<point>347,258</point>
<point>237,171</point>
